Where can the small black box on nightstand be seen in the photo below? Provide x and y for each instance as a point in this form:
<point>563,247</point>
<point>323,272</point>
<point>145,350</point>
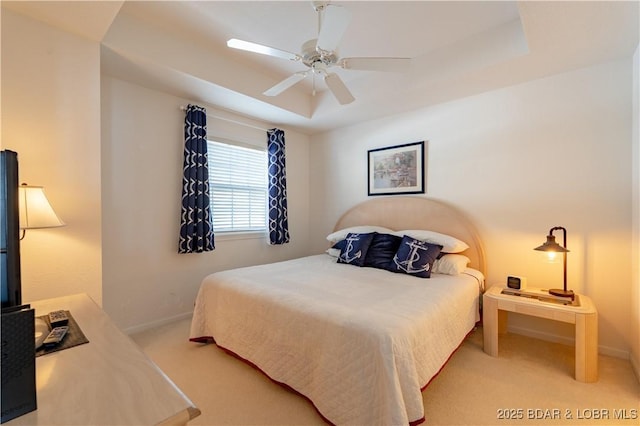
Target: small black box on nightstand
<point>18,362</point>
<point>516,283</point>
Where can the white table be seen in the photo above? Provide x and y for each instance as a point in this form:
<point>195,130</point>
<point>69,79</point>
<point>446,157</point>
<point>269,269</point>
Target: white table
<point>495,306</point>
<point>108,381</point>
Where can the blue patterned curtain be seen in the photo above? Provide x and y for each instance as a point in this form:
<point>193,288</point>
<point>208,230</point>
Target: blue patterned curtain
<point>278,221</point>
<point>196,222</point>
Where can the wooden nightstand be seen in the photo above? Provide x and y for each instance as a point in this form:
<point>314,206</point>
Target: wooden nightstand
<point>583,314</point>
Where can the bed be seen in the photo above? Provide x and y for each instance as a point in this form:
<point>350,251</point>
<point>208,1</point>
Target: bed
<point>359,342</point>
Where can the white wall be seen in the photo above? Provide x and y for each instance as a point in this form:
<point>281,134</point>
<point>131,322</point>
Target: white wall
<point>51,117</point>
<point>635,196</point>
<point>518,161</point>
<point>145,280</point>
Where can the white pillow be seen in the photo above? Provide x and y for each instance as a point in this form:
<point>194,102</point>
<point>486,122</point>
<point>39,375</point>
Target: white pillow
<point>333,252</point>
<point>363,229</point>
<point>450,264</point>
<point>449,244</point>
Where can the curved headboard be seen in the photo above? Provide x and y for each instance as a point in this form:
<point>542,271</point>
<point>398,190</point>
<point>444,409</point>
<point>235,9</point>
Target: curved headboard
<point>400,212</point>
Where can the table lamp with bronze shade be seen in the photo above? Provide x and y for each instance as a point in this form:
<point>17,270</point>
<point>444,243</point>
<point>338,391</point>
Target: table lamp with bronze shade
<point>550,246</point>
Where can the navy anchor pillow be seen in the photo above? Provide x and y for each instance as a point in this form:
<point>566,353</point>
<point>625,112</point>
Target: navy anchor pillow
<point>355,248</point>
<point>415,257</point>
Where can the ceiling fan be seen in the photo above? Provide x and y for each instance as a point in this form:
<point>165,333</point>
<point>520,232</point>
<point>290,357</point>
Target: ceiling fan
<point>319,55</point>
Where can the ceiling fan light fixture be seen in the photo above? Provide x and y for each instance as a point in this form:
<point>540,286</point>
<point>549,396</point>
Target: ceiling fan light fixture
<point>319,68</point>
<point>321,54</point>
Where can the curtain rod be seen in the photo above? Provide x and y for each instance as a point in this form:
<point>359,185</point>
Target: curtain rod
<point>184,108</point>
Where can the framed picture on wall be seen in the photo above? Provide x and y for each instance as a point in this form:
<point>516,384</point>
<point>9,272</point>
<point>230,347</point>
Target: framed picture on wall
<point>397,169</point>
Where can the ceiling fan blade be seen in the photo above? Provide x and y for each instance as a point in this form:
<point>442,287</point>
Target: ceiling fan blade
<point>334,24</point>
<point>262,49</point>
<point>339,90</point>
<point>376,64</point>
<point>285,84</point>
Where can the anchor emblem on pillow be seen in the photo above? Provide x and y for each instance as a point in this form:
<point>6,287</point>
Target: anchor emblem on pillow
<point>414,256</point>
<point>347,256</point>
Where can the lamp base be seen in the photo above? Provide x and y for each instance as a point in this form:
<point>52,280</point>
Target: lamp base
<point>562,293</point>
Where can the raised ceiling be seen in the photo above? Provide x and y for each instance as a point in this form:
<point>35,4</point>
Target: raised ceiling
<point>458,48</point>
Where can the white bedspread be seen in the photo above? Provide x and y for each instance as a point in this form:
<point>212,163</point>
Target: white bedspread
<point>360,343</point>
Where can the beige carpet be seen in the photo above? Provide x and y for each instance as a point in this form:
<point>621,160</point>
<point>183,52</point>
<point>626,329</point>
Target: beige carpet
<point>531,382</point>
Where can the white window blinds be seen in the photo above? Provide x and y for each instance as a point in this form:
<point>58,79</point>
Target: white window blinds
<point>238,184</point>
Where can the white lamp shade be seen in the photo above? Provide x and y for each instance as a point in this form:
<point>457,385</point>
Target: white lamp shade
<point>35,209</point>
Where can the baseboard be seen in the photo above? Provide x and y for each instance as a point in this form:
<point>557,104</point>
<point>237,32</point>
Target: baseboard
<point>604,350</point>
<point>153,324</point>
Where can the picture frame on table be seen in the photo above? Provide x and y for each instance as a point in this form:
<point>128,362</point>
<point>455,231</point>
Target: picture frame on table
<point>397,169</point>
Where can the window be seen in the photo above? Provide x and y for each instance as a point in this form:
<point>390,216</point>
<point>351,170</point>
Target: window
<point>238,185</point>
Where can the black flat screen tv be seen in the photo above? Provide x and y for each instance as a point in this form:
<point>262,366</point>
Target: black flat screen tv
<point>9,230</point>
